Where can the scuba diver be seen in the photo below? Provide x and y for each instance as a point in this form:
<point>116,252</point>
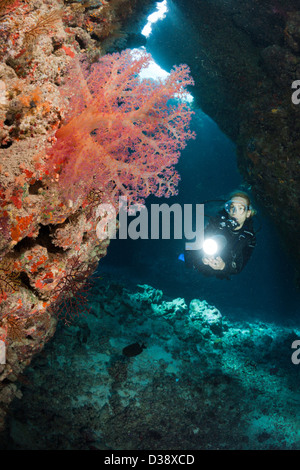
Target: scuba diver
<point>229,240</point>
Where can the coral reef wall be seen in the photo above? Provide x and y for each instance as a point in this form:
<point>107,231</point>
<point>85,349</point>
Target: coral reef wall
<point>244,57</point>
<point>48,247</point>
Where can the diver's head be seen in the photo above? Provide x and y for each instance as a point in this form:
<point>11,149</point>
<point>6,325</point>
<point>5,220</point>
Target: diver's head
<point>239,208</point>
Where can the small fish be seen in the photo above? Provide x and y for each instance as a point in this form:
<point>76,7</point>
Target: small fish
<point>133,349</point>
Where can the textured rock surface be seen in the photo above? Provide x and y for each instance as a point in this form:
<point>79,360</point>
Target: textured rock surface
<point>47,247</point>
<point>244,57</point>
<point>202,381</point>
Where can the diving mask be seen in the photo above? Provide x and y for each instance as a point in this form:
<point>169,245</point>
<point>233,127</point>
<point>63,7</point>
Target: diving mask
<point>235,207</point>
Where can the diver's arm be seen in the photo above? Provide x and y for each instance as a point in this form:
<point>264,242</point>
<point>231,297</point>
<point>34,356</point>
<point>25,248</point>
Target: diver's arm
<point>215,263</point>
<point>193,258</point>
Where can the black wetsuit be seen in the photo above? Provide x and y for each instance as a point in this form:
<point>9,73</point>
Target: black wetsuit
<point>236,253</point>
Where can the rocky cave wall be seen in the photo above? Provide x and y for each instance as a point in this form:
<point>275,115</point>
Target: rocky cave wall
<point>244,57</point>
<point>48,247</point>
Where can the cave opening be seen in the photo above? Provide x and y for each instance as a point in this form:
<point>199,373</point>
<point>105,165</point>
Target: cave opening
<point>209,171</point>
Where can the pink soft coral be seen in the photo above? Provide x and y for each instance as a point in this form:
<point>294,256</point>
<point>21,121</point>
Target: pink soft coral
<point>122,136</point>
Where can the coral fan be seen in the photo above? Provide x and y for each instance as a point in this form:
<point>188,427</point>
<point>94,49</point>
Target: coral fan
<point>72,290</point>
<point>9,279</point>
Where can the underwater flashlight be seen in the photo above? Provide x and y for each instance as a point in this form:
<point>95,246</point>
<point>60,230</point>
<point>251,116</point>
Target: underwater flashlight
<point>210,246</point>
<point>214,245</point>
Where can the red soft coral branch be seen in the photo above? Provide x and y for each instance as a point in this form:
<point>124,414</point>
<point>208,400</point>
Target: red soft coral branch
<point>122,135</point>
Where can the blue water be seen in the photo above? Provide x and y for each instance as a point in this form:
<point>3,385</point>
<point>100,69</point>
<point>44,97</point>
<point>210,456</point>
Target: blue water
<point>264,290</point>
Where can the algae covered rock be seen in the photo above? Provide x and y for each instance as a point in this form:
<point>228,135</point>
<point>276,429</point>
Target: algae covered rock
<point>206,316</point>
